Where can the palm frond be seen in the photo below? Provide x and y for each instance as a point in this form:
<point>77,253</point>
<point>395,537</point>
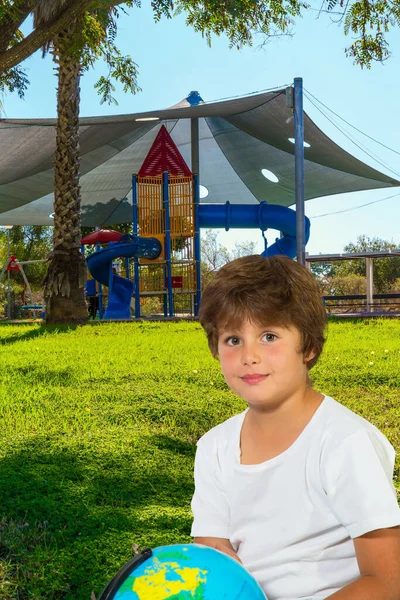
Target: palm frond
<point>46,10</point>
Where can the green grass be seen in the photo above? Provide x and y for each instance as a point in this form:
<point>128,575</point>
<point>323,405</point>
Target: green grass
<point>98,426</point>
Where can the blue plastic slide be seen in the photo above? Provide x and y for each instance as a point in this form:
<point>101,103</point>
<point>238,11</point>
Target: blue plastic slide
<point>120,289</point>
<point>262,216</point>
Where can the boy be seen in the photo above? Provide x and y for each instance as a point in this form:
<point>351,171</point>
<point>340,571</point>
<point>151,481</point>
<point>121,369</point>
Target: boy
<point>297,487</point>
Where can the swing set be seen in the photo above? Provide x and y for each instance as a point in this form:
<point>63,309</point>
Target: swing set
<point>13,264</point>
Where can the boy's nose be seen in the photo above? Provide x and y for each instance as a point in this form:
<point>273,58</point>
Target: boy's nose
<point>250,355</point>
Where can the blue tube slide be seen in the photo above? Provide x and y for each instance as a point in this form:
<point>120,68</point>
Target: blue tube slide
<point>263,216</point>
<point>120,289</point>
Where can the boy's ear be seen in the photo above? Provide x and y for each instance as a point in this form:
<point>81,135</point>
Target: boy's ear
<point>309,356</point>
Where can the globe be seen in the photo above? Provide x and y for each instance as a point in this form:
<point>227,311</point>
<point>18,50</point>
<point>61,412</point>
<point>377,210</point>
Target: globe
<point>183,572</point>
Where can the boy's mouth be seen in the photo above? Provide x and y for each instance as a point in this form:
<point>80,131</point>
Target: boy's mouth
<point>254,378</point>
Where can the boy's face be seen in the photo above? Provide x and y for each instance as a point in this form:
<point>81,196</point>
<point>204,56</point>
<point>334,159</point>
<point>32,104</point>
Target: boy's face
<point>263,365</point>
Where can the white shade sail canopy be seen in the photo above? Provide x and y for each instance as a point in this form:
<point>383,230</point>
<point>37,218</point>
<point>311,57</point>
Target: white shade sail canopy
<point>245,152</point>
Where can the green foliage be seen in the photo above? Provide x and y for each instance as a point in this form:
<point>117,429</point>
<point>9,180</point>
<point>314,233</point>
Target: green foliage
<point>94,40</point>
<point>28,242</point>
<point>343,285</point>
<point>239,19</point>
<point>368,21</point>
<point>100,32</point>
<point>321,270</point>
<point>15,80</point>
<point>8,9</point>
<point>367,244</point>
<point>98,426</point>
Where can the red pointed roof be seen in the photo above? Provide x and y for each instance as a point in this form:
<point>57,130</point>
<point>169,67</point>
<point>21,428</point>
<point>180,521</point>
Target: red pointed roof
<point>164,156</point>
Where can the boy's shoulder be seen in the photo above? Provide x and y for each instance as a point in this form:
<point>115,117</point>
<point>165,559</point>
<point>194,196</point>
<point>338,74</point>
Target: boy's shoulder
<point>341,423</point>
<point>224,432</point>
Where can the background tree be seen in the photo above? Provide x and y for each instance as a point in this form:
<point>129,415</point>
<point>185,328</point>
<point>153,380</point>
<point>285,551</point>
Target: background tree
<point>74,50</point>
<point>214,255</point>
<point>243,249</point>
<point>28,242</point>
<point>321,270</point>
<point>367,21</point>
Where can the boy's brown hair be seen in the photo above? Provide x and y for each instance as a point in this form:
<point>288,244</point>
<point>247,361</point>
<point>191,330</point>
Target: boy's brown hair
<point>267,291</point>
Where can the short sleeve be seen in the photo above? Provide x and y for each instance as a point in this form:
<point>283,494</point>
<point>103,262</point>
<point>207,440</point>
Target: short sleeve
<point>358,479</point>
<point>209,504</point>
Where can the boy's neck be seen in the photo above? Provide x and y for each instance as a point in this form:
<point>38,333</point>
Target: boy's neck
<point>295,412</point>
<point>266,435</point>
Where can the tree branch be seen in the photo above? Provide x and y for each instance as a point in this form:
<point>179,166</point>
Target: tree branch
<point>12,21</point>
<point>46,32</point>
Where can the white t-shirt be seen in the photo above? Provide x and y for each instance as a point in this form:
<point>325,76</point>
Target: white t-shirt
<point>291,519</point>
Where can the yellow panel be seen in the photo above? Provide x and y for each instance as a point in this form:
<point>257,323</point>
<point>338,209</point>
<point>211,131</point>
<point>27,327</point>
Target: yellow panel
<point>152,278</point>
<point>150,206</point>
<point>151,222</point>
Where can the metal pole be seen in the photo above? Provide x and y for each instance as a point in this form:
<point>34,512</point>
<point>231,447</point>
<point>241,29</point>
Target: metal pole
<point>194,142</point>
<point>135,225</point>
<point>197,247</point>
<point>370,284</point>
<point>168,244</point>
<point>299,167</point>
<point>8,277</point>
<point>195,155</point>
<point>100,290</point>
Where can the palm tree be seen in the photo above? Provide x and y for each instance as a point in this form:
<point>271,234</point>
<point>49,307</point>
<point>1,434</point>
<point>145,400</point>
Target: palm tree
<point>66,275</point>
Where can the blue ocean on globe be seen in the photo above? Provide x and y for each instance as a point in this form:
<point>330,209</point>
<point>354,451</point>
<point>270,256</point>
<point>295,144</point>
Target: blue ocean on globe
<point>189,572</point>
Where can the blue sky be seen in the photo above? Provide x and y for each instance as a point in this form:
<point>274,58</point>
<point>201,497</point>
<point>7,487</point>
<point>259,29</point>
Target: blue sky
<point>173,60</point>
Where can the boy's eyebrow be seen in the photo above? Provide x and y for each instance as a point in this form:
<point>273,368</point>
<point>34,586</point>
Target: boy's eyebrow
<point>232,330</point>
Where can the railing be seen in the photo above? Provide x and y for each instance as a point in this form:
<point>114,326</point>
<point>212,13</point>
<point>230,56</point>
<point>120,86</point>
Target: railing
<point>361,303</point>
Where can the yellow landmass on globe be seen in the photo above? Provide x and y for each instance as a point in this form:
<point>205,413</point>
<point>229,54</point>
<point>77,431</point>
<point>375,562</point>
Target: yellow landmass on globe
<point>154,585</point>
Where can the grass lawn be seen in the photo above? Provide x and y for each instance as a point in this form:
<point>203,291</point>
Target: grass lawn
<point>98,427</point>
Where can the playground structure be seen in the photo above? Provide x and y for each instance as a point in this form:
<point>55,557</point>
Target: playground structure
<point>165,245</point>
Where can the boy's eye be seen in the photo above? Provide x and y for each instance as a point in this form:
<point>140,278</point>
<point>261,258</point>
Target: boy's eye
<point>233,340</point>
<point>269,337</point>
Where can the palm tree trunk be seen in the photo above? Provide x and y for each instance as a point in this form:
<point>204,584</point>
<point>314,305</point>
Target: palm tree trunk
<point>66,275</point>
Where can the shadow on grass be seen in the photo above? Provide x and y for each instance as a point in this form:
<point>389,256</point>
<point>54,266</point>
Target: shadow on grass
<point>164,442</point>
<point>71,515</point>
<point>36,333</point>
<point>40,375</point>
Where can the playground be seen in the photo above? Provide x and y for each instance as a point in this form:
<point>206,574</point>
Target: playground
<point>101,422</point>
<point>160,259</point>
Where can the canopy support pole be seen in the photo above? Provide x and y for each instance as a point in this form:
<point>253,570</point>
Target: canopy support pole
<point>165,193</point>
<point>299,168</point>
<point>195,150</point>
<point>135,231</point>
<point>370,284</point>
